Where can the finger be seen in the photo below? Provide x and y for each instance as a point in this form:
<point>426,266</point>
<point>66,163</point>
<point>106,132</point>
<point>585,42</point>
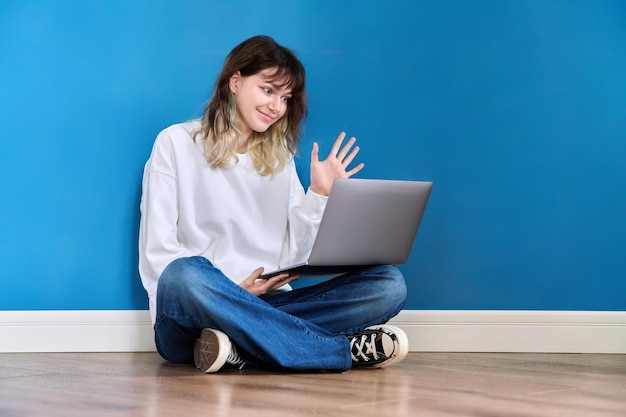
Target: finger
<point>346,148</point>
<point>337,144</point>
<point>315,153</point>
<point>290,278</point>
<point>350,157</point>
<point>251,280</point>
<point>355,169</point>
<point>255,275</point>
<point>265,285</point>
<point>257,272</point>
<point>282,279</point>
<point>279,277</point>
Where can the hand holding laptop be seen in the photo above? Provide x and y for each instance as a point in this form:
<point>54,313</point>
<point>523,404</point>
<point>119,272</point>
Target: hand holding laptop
<point>258,285</point>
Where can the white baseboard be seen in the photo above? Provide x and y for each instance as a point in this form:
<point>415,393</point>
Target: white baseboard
<point>428,330</point>
<point>76,331</point>
<point>514,331</point>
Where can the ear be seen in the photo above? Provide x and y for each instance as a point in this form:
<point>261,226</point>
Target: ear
<point>234,81</point>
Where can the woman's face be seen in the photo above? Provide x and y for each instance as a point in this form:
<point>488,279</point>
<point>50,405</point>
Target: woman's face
<point>261,100</point>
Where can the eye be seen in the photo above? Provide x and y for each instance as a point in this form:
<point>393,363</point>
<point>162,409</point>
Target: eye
<point>267,90</point>
<point>285,99</point>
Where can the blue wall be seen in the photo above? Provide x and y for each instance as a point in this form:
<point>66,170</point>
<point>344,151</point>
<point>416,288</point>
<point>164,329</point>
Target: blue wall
<point>515,109</point>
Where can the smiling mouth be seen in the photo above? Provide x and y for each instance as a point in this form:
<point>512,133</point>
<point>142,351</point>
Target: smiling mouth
<point>267,117</point>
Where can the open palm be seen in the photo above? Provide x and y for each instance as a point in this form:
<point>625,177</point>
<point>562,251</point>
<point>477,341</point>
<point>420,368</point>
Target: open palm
<point>324,173</point>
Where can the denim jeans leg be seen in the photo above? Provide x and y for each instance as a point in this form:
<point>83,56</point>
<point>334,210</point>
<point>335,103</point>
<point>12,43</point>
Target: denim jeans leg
<point>348,303</point>
<point>193,294</point>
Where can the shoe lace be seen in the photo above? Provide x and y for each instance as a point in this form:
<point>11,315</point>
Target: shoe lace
<point>370,348</point>
<point>234,359</point>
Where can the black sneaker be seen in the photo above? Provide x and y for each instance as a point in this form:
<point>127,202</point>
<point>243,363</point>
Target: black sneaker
<point>213,351</point>
<point>378,346</point>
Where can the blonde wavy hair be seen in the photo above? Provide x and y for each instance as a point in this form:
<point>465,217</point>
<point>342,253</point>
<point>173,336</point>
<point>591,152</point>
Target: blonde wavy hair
<point>271,150</point>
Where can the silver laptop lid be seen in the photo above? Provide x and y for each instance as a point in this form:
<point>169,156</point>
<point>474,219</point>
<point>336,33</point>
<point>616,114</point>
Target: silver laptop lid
<point>369,222</point>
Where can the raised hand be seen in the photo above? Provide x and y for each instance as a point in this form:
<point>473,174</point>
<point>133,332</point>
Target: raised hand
<point>323,173</point>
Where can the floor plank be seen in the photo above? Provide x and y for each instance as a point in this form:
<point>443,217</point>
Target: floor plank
<point>425,384</point>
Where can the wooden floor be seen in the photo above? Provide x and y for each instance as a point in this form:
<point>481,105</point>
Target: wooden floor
<point>425,384</point>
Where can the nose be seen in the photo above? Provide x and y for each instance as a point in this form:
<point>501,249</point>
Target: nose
<point>275,104</point>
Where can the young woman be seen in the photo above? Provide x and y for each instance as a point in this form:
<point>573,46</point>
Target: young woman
<point>222,203</point>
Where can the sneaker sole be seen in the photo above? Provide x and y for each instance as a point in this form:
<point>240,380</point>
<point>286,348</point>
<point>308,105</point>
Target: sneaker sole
<point>403,344</point>
<point>211,350</point>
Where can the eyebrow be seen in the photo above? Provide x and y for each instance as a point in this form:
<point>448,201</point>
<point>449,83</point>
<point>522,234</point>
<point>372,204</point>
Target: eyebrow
<point>274,83</point>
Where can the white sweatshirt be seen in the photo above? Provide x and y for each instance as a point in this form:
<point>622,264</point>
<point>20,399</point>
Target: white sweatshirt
<point>234,217</point>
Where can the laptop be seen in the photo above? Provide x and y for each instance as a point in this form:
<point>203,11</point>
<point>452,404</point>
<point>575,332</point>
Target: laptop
<point>366,222</point>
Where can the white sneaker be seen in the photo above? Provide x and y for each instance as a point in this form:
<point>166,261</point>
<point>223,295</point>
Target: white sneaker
<point>213,350</point>
<point>378,346</point>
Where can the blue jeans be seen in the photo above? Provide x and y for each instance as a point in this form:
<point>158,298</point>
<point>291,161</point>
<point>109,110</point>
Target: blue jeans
<point>303,329</point>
